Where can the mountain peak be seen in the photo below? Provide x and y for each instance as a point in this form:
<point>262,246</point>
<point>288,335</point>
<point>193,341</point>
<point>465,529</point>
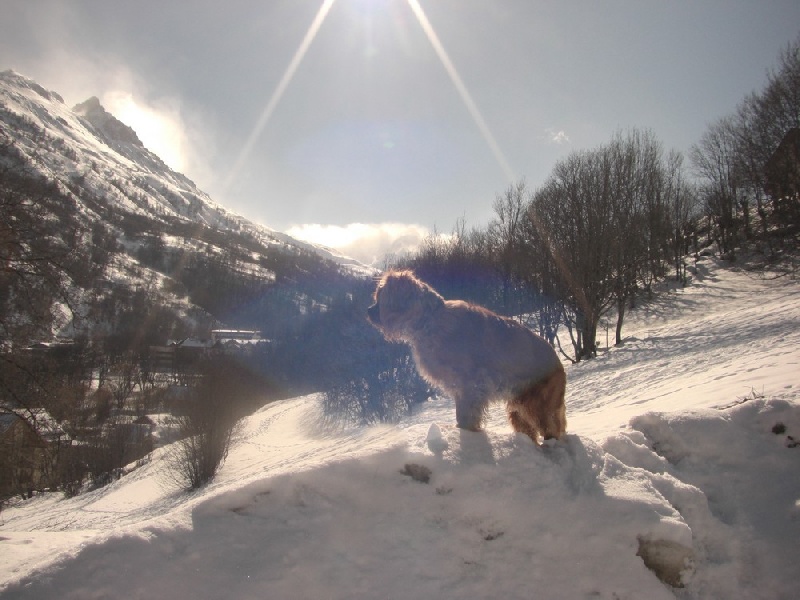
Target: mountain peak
<point>90,106</point>
<point>11,77</point>
<point>107,124</point>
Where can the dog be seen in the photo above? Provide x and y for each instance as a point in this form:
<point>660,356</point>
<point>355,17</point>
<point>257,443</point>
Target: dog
<point>474,356</point>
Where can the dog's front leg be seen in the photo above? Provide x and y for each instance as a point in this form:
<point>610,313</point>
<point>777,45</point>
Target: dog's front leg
<point>470,410</point>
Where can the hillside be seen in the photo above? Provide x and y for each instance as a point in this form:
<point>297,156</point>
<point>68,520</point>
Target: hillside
<point>682,453</point>
<point>128,223</point>
<point>116,271</point>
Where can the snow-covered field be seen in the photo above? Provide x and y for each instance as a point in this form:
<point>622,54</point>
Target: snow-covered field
<point>672,458</point>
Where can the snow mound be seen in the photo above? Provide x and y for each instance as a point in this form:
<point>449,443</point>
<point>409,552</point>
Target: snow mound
<point>727,471</point>
<point>572,513</point>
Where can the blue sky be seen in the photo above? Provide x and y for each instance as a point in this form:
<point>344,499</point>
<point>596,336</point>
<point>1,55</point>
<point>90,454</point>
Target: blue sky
<point>371,122</point>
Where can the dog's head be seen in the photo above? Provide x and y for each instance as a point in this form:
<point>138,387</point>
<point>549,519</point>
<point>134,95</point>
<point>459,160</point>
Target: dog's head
<point>401,303</point>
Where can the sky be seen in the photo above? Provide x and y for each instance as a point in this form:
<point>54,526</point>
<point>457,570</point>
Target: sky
<point>366,124</point>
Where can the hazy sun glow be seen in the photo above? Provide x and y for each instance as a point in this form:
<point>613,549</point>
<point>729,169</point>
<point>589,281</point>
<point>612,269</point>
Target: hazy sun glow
<point>160,130</point>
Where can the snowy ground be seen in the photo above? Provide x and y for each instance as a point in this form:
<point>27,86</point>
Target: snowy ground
<point>671,459</point>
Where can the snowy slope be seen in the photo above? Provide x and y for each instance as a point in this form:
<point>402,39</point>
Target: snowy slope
<point>671,458</point>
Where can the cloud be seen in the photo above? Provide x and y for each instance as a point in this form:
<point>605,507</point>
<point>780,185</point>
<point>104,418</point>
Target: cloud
<point>368,243</point>
<point>556,137</point>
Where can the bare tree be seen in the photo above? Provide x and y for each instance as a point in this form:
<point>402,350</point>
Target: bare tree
<point>572,215</point>
<point>681,201</point>
<point>602,216</point>
<point>780,100</point>
<point>714,158</point>
<point>123,377</point>
<point>207,420</point>
<point>735,159</point>
<point>753,150</point>
<point>779,120</point>
<point>507,235</point>
<point>639,216</point>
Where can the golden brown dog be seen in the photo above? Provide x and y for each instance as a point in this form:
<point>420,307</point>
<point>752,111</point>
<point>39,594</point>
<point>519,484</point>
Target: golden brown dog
<point>474,355</point>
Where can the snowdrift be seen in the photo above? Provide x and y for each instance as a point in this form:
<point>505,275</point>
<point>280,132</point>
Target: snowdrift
<point>679,478</point>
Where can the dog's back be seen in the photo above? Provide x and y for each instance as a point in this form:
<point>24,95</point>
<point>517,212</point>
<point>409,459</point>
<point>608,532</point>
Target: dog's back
<point>470,343</point>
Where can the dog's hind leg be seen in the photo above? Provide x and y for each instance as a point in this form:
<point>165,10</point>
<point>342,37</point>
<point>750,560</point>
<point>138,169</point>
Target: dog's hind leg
<point>520,424</point>
<point>556,424</point>
<point>539,408</point>
<point>553,412</point>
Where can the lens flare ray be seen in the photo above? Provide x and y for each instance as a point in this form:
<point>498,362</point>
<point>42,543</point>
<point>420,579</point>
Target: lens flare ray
<point>461,88</point>
<point>280,89</point>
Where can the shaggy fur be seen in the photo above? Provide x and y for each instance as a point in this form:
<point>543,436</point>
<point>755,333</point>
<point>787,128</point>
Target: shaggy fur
<point>474,355</point>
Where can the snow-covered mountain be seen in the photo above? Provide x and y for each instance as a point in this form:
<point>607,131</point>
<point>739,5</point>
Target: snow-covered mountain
<point>679,477</point>
<point>88,144</point>
<point>108,181</point>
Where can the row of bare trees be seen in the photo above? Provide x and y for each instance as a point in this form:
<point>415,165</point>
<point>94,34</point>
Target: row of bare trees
<point>746,194</point>
<point>601,229</point>
<point>608,221</point>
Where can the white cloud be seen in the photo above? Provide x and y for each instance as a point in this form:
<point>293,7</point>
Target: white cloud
<point>368,243</point>
<point>556,137</point>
